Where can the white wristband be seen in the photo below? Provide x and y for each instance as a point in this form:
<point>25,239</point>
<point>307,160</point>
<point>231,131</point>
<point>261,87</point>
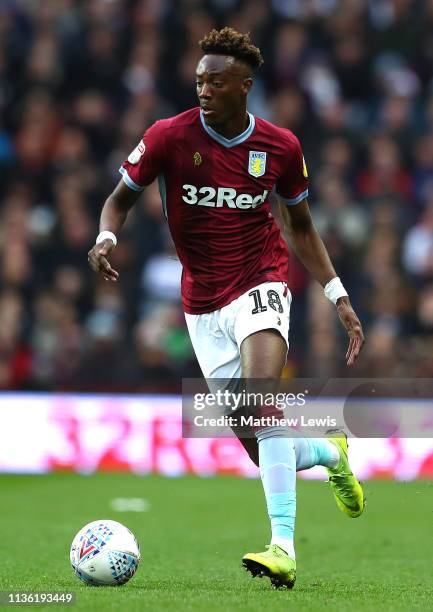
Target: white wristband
<point>106,235</point>
<point>334,290</point>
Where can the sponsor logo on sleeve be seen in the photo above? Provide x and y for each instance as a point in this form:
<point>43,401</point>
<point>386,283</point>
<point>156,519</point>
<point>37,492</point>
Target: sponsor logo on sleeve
<point>137,153</point>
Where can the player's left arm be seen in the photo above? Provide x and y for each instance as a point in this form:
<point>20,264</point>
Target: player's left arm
<point>308,246</point>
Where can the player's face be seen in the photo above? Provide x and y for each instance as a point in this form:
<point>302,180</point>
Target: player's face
<point>222,87</point>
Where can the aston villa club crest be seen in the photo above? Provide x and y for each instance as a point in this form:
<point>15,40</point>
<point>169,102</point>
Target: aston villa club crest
<point>257,163</point>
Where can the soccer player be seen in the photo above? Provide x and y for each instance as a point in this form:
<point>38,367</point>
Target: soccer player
<point>217,165</point>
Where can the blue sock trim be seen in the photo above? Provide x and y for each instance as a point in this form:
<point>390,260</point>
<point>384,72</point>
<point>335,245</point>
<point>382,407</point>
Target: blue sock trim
<point>272,432</point>
<point>313,451</point>
<point>323,451</point>
<point>282,513</point>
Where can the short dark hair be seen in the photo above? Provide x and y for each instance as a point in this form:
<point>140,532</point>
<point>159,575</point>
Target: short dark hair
<point>230,42</point>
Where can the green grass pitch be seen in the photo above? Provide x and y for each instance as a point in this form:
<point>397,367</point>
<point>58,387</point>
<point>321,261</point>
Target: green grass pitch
<point>195,532</point>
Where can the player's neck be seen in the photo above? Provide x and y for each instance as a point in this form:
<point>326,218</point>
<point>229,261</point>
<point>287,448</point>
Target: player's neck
<point>237,125</point>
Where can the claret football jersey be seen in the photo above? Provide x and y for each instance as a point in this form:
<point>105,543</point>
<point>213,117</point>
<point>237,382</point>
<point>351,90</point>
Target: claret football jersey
<point>215,195</point>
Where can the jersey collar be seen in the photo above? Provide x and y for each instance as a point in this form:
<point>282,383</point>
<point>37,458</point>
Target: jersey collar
<point>229,142</point>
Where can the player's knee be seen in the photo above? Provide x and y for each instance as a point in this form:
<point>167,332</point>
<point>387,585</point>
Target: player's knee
<point>263,355</point>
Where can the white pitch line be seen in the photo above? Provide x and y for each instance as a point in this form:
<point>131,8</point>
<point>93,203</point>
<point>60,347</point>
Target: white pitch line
<point>130,504</point>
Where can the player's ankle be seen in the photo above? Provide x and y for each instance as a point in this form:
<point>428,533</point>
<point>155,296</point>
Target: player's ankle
<point>286,544</point>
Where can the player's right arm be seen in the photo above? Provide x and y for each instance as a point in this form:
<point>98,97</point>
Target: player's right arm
<point>113,216</point>
<point>142,166</point>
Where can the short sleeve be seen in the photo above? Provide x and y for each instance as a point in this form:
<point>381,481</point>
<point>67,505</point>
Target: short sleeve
<point>292,185</point>
<point>146,161</point>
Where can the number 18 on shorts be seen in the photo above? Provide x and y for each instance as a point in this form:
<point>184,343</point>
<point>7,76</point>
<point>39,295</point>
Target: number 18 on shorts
<point>217,336</point>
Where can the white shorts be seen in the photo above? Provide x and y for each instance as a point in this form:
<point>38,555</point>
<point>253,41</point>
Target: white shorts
<point>217,336</point>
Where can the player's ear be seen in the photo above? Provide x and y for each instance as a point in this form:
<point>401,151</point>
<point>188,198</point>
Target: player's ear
<point>247,84</point>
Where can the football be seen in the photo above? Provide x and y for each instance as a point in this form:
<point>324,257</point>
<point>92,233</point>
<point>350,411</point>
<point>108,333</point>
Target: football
<point>105,552</point>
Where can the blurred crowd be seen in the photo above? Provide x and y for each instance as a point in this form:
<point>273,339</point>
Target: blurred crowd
<point>79,83</point>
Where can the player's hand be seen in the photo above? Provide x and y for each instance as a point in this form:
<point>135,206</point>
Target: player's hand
<point>353,327</point>
<point>97,258</point>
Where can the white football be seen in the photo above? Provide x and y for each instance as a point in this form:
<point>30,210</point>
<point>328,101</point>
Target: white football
<point>105,553</point>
